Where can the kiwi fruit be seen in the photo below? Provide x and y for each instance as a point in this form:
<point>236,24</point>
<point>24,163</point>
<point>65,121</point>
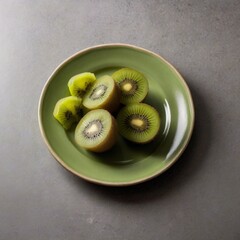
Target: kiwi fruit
<point>79,84</point>
<point>96,131</point>
<point>133,85</point>
<point>68,111</point>
<point>104,94</point>
<point>138,122</point>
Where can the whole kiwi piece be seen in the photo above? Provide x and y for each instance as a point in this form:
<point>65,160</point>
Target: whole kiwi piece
<point>133,85</point>
<point>96,131</point>
<point>138,122</point>
<point>103,94</point>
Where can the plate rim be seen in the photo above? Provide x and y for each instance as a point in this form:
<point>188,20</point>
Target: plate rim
<point>108,183</point>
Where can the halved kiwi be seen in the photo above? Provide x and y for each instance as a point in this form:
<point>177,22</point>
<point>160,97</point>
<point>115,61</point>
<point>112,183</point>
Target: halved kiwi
<point>79,84</point>
<point>104,94</point>
<point>133,85</point>
<point>138,122</point>
<point>96,131</point>
<point>68,111</point>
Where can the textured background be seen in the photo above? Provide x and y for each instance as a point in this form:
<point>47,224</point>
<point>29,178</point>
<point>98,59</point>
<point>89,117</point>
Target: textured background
<point>198,198</point>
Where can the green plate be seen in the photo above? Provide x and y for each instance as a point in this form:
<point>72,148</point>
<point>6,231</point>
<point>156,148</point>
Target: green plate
<point>125,163</point>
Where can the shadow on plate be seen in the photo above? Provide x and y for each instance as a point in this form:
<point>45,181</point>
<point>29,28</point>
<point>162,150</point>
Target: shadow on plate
<point>182,172</point>
<point>125,152</point>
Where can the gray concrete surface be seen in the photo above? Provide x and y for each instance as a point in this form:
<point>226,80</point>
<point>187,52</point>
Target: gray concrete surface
<point>198,198</point>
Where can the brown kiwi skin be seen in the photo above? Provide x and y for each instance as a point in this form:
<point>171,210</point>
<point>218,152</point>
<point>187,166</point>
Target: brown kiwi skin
<point>113,103</point>
<point>109,141</point>
<point>114,99</point>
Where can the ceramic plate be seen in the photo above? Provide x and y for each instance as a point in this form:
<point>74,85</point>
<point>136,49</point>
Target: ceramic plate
<point>125,163</point>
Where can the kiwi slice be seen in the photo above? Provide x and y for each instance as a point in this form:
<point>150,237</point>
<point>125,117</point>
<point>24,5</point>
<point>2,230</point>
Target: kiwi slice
<point>96,131</point>
<point>133,85</point>
<point>79,84</point>
<point>104,94</point>
<point>68,111</point>
<point>138,122</point>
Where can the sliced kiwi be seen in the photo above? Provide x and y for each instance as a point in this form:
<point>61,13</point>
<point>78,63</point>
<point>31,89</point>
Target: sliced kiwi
<point>133,85</point>
<point>79,84</point>
<point>96,131</point>
<point>138,122</point>
<point>104,94</point>
<point>68,111</point>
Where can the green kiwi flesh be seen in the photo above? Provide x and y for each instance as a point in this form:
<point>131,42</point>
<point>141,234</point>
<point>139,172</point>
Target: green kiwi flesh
<point>103,94</point>
<point>96,131</point>
<point>138,122</point>
<point>133,85</point>
<point>79,84</point>
<point>68,111</point>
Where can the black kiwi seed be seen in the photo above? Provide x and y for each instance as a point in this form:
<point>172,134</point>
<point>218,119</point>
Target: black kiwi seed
<point>132,84</point>
<point>96,131</point>
<point>95,92</point>
<point>133,88</point>
<point>138,122</point>
<point>67,110</point>
<point>104,94</point>
<point>92,135</point>
<point>80,93</point>
<point>130,122</point>
<point>79,111</point>
<point>68,115</point>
